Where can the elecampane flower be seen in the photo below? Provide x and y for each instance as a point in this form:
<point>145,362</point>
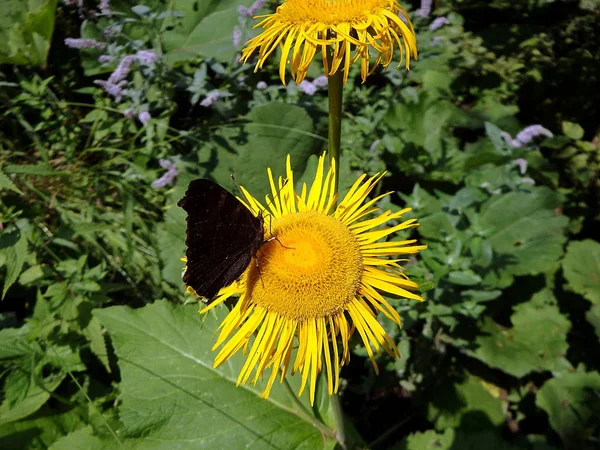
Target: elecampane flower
<point>321,278</point>
<point>351,29</point>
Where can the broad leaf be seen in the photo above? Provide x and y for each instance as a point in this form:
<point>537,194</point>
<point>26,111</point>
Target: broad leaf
<point>537,340</point>
<point>464,403</point>
<point>206,29</point>
<point>275,130</point>
<point>526,230</point>
<point>26,29</point>
<point>582,269</point>
<point>14,247</point>
<point>171,393</point>
<point>572,404</point>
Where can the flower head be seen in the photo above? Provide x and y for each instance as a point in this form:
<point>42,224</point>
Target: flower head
<point>322,278</point>
<point>345,31</point>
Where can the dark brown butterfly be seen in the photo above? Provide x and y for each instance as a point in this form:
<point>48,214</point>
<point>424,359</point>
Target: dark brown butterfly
<point>222,236</point>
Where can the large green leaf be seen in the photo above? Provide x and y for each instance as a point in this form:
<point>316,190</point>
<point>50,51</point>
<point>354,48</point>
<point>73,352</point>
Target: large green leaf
<point>173,397</point>
<point>26,28</point>
<point>572,403</point>
<point>525,229</point>
<point>274,131</point>
<point>582,269</point>
<point>466,404</point>
<point>13,245</point>
<point>537,340</point>
<point>206,29</point>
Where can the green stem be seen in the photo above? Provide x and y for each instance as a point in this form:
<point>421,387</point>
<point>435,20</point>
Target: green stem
<point>336,88</point>
<point>338,418</point>
<point>306,414</point>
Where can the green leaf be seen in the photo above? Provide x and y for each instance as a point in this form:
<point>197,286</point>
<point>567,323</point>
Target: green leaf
<point>464,403</point>
<point>593,317</point>
<point>84,439</point>
<point>525,229</point>
<point>95,335</point>
<point>572,402</point>
<point>581,266</point>
<point>537,340</point>
<point>496,137</point>
<point>428,440</point>
<point>572,130</point>
<point>275,130</point>
<point>164,352</point>
<point>26,29</point>
<point>205,30</point>
<point>40,430</point>
<point>6,183</point>
<point>14,247</point>
<point>36,395</point>
<point>34,169</point>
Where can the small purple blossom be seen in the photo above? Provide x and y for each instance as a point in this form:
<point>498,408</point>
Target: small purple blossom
<point>236,37</point>
<point>374,145</point>
<point>253,9</point>
<point>425,8</point>
<point>261,85</point>
<point>78,3</point>
<point>438,23</point>
<point>104,7</point>
<point>144,117</point>
<point>321,81</point>
<point>113,89</point>
<point>84,43</point>
<point>147,57</point>
<point>528,180</point>
<point>105,59</point>
<point>210,98</point>
<point>168,177</point>
<point>307,87</point>
<point>129,113</point>
<point>122,70</point>
<point>527,134</point>
<point>522,163</point>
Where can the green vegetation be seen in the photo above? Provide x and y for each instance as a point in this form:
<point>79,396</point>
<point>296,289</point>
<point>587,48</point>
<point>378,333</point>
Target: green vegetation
<point>100,347</point>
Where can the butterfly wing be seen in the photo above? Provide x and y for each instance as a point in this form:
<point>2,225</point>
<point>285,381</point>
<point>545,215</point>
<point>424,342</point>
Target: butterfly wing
<point>222,236</point>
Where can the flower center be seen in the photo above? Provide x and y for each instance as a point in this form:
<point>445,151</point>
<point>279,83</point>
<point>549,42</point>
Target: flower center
<point>330,11</point>
<point>312,270</point>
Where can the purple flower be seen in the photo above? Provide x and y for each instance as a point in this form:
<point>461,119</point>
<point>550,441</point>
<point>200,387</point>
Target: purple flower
<point>261,85</point>
<point>144,117</point>
<point>522,163</point>
<point>168,176</point>
<point>78,3</point>
<point>425,9</point>
<point>84,43</point>
<point>123,69</point>
<point>105,59</point>
<point>256,6</point>
<point>253,9</point>
<point>321,81</point>
<point>104,7</point>
<point>237,37</point>
<point>528,180</point>
<point>147,57</point>
<point>210,98</point>
<point>307,87</point>
<point>438,23</point>
<point>527,134</point>
<point>129,113</point>
<point>113,89</point>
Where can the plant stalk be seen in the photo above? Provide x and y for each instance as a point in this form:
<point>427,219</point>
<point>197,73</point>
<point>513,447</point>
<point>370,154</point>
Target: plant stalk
<point>335,93</point>
<point>306,414</point>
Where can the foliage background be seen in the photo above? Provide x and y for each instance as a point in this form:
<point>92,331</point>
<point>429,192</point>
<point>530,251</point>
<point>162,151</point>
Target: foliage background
<point>97,346</point>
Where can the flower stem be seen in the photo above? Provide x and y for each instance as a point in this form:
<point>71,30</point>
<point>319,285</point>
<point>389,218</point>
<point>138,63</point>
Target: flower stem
<point>335,91</point>
<point>338,418</point>
<point>306,414</point>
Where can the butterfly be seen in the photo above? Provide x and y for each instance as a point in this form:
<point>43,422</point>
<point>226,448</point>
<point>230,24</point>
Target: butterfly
<point>222,237</point>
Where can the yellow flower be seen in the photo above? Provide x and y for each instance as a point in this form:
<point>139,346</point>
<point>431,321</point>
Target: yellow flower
<point>318,281</point>
<point>352,29</point>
